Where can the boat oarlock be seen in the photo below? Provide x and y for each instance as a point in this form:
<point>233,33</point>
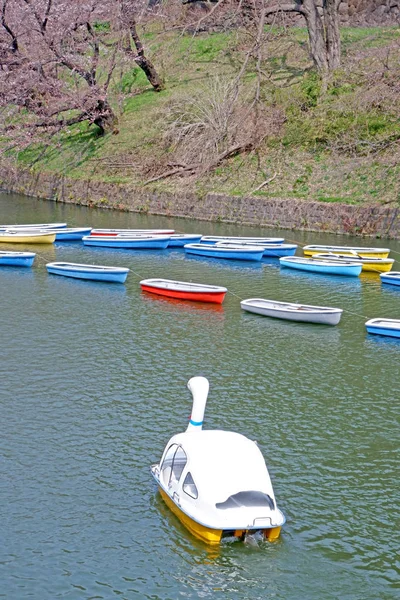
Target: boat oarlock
<point>199,388</point>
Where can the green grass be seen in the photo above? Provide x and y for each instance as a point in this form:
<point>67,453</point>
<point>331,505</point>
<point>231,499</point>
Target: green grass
<point>303,152</point>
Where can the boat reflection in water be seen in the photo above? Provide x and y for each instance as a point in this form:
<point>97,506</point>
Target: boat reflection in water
<point>175,304</point>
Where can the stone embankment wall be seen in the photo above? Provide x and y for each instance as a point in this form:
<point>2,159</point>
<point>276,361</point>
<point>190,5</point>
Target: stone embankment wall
<point>373,220</point>
<point>369,12</point>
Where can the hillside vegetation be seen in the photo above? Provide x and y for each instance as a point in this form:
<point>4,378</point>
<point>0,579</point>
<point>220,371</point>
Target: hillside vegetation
<point>339,144</point>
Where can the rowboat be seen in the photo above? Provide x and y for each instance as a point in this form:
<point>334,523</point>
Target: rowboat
<point>72,234</point>
<point>216,482</point>
<point>351,269</point>
<point>230,251</point>
<point>393,278</point>
<point>270,250</point>
<point>95,272</point>
<point>180,239</point>
<point>376,265</point>
<point>129,232</point>
<point>390,327</point>
<point>184,290</point>
<point>293,312</point>
<point>67,234</point>
<point>17,259</point>
<point>214,239</point>
<point>150,242</point>
<point>27,238</point>
<point>348,250</point>
<point>34,226</point>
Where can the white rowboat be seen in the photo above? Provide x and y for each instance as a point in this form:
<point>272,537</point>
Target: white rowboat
<point>304,313</point>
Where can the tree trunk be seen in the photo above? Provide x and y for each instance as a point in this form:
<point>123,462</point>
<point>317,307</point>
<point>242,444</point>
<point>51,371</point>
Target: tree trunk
<point>143,62</point>
<point>331,19</point>
<point>105,118</point>
<point>316,36</point>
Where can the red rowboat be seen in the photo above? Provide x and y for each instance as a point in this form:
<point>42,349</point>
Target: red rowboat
<point>184,290</point>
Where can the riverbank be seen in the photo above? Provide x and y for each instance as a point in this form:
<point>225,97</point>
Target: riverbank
<point>286,213</point>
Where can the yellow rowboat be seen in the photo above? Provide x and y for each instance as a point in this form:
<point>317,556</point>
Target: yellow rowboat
<point>27,238</point>
<point>372,264</point>
<point>347,250</point>
<point>216,482</point>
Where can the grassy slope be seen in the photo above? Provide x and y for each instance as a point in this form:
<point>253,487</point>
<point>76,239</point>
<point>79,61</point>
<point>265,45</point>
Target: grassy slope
<point>302,155</point>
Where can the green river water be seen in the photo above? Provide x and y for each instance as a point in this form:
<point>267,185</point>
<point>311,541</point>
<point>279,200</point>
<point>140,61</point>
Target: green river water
<point>93,385</point>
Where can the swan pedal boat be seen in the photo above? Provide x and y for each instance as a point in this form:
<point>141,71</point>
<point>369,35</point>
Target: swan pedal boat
<point>114,232</point>
<point>303,313</point>
<point>393,278</point>
<point>229,251</point>
<point>34,237</point>
<point>184,290</point>
<point>389,327</point>
<point>93,272</point>
<point>348,250</point>
<point>324,267</point>
<point>143,242</point>
<point>271,250</point>
<point>375,265</point>
<point>216,482</point>
<point>214,239</point>
<point>17,259</point>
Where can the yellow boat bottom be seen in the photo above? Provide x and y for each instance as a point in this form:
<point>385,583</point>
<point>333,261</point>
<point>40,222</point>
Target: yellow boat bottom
<point>210,536</point>
<point>377,268</point>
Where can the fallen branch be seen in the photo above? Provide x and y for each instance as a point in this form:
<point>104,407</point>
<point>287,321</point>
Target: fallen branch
<point>264,183</point>
<point>195,167</point>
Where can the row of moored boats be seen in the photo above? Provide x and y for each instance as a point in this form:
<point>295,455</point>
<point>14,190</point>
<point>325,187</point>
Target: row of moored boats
<point>331,260</point>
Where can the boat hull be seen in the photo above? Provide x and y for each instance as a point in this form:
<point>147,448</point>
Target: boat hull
<point>157,243</point>
<point>23,259</point>
<point>38,238</point>
<point>180,241</point>
<point>384,327</point>
<point>364,252</point>
<point>206,534</point>
<point>72,235</point>
<point>225,253</point>
<point>215,297</point>
<point>279,251</point>
<point>392,279</point>
<point>322,269</point>
<point>319,317</point>
<point>114,276</point>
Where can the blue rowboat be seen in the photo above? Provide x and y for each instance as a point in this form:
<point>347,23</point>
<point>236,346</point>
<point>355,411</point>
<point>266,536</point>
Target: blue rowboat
<point>150,242</point>
<point>270,250</point>
<point>72,234</point>
<point>17,259</point>
<point>393,278</point>
<point>279,250</point>
<point>231,251</point>
<point>179,240</point>
<point>214,239</point>
<point>351,269</point>
<point>390,327</point>
<point>94,272</point>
